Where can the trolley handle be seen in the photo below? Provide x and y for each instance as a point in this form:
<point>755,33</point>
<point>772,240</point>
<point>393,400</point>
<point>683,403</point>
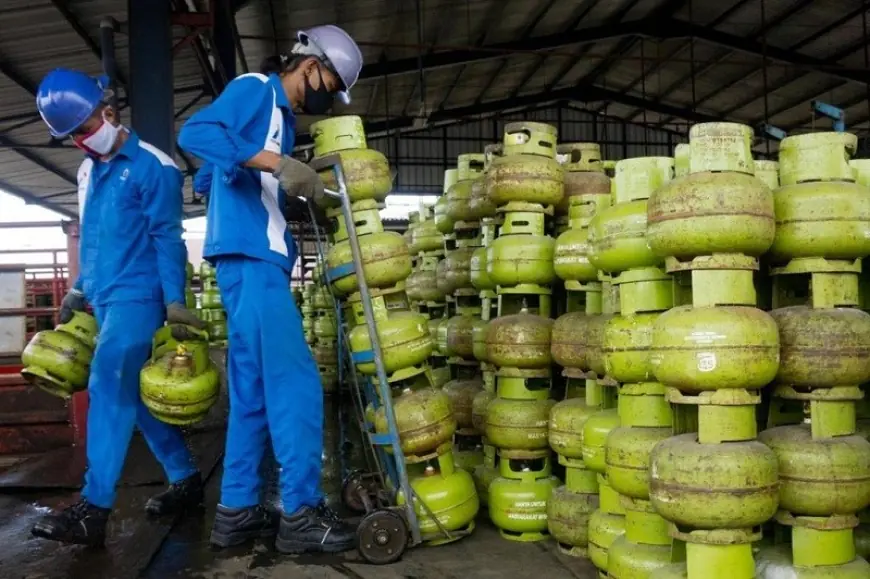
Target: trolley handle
<point>333,162</point>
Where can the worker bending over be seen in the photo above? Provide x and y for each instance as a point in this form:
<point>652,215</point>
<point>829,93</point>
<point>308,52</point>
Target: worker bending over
<point>246,136</point>
<point>132,262</point>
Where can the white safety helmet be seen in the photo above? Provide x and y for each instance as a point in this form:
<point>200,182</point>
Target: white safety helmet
<point>337,50</point>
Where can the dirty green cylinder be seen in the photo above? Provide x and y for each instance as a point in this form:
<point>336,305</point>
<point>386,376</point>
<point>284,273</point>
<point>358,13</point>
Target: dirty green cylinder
<point>528,172</point>
<point>469,169</point>
<point>424,420</point>
<point>568,515</point>
<point>836,339</point>
<point>569,341</point>
<point>58,361</point>
<point>626,347</point>
<point>596,429</point>
<point>461,394</point>
<point>820,477</point>
<point>617,238</point>
<point>366,171</point>
<point>519,341</point>
<point>457,269</point>
<point>521,259</point>
<point>744,354</point>
<point>443,222</point>
<point>180,383</point>
<point>460,336</point>
<point>518,501</point>
<point>732,485</point>
<point>565,429</point>
<point>518,424</point>
<point>404,337</point>
<point>385,257</point>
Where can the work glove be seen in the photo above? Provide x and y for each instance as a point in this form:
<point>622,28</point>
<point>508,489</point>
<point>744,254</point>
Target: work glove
<point>73,301</point>
<point>178,314</point>
<point>299,180</point>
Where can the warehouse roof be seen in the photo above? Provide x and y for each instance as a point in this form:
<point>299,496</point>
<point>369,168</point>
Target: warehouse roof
<point>663,63</point>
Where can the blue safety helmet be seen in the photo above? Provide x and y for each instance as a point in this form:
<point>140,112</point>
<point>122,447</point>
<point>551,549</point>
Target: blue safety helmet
<point>67,98</point>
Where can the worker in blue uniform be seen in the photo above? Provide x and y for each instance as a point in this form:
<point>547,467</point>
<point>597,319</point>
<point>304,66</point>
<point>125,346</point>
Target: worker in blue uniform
<point>132,272</point>
<point>247,135</point>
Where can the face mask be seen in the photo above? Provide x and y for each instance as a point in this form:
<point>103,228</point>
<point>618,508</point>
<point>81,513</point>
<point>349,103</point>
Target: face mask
<point>317,101</point>
<point>101,141</point>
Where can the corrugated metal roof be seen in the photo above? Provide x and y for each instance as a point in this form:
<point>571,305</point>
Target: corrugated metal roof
<point>729,83</point>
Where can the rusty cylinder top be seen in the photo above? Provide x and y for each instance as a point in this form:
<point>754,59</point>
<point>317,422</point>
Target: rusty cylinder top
<point>528,138</point>
<point>338,134</point>
<point>469,166</point>
<point>721,147</point>
<point>580,157</point>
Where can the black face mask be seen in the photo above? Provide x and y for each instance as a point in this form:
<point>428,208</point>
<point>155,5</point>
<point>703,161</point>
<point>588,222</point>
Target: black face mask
<point>317,101</point>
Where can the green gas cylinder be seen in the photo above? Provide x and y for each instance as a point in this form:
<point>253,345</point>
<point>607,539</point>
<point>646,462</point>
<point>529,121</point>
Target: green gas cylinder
<point>404,337</point>
<point>366,171</point>
<point>450,498</point>
<point>518,498</point>
<point>59,360</point>
<point>424,420</point>
<point>519,341</point>
<point>180,383</point>
<point>385,257</point>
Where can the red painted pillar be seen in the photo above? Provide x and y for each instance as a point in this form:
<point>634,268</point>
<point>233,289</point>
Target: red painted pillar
<point>78,407</point>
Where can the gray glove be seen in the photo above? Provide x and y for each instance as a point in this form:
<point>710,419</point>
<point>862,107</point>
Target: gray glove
<point>73,301</point>
<point>178,314</point>
<point>298,179</point>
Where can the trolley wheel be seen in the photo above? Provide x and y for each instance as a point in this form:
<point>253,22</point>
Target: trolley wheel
<point>351,492</point>
<point>382,537</point>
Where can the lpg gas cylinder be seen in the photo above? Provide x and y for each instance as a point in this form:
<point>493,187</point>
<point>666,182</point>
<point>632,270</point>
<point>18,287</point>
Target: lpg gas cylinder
<point>385,257</point>
<point>479,407</point>
<point>528,171</point>
<point>469,169</point>
<point>449,496</point>
<point>457,269</point>
<point>480,205</point>
<point>59,360</point>
<point>366,171</point>
<point>180,383</point>
<point>584,174</point>
<point>443,223</point>
<point>477,270</point>
<point>570,339</point>
<point>521,254</point>
<point>711,348</point>
<point>478,339</point>
<point>519,341</point>
<point>424,420</point>
<point>518,498</point>
<point>426,237</point>
<point>460,338</point>
<point>404,337</point>
<point>820,210</point>
<point>565,431</point>
<point>720,207</point>
<point>518,424</point>
<point>461,394</point>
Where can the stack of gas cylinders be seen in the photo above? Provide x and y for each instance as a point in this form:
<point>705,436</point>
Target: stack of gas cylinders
<point>708,362</point>
<point>445,496</point>
<point>211,307</point>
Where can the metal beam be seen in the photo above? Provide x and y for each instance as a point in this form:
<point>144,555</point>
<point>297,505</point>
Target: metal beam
<point>223,38</point>
<point>760,31</point>
<point>577,93</point>
<point>676,52</point>
<point>10,72</point>
<point>499,50</point>
<point>29,197</point>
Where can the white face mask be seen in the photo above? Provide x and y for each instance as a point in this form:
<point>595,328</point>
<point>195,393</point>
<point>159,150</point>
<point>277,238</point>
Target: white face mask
<point>101,141</point>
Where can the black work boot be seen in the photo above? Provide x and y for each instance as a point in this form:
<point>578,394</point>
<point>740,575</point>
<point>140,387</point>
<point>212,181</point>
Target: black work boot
<point>236,526</point>
<point>78,524</point>
<point>181,495</point>
<point>314,530</point>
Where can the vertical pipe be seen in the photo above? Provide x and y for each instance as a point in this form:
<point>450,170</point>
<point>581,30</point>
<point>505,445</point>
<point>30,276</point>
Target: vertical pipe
<point>108,26</point>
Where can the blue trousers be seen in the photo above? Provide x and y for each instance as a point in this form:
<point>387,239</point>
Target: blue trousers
<point>114,406</point>
<point>275,388</point>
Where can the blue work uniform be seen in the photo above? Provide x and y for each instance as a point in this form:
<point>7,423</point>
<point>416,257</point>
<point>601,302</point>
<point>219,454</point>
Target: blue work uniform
<point>202,180</point>
<point>132,264</point>
<point>275,386</point>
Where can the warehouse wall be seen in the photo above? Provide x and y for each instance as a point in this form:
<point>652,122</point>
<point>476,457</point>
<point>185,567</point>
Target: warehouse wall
<point>422,157</point>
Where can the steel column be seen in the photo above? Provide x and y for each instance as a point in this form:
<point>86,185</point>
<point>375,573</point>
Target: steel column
<point>151,92</point>
<point>224,37</point>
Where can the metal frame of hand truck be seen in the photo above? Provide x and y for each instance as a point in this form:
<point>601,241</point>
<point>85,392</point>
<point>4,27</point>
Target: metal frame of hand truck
<point>387,529</point>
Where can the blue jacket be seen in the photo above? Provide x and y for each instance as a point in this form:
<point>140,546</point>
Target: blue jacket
<point>202,180</point>
<point>130,209</point>
<point>245,206</point>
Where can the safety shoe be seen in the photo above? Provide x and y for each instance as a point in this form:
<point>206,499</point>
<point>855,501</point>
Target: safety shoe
<point>78,524</point>
<point>314,530</point>
<point>236,526</point>
<point>180,495</point>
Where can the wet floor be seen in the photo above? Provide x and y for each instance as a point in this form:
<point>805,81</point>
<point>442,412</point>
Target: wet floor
<point>167,549</point>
